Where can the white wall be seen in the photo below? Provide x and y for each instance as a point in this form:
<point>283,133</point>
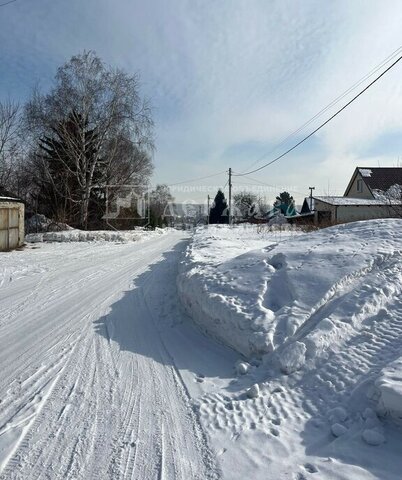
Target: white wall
<point>354,193</point>
<point>353,213</point>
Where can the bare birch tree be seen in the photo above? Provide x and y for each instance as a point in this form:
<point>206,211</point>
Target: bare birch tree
<point>93,128</point>
<point>9,145</point>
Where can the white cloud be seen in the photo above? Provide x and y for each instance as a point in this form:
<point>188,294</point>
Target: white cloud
<point>223,74</point>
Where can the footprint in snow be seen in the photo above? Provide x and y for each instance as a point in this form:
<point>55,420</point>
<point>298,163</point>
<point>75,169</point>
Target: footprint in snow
<point>310,468</point>
<point>200,378</point>
<point>274,432</point>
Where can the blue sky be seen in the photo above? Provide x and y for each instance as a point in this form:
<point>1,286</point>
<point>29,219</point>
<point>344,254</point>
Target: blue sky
<point>229,79</point>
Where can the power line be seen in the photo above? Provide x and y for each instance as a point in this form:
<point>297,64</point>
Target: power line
<point>323,124</point>
<point>280,187</point>
<point>196,179</point>
<point>7,3</point>
<point>331,104</point>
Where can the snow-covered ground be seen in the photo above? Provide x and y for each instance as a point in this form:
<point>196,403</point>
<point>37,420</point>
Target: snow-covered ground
<point>74,235</point>
<point>104,376</point>
<point>318,394</point>
<point>99,366</point>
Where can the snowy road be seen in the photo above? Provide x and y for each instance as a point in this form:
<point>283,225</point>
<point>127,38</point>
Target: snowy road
<point>88,387</point>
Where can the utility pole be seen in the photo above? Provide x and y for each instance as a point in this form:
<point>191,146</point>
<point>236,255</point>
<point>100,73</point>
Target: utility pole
<point>209,198</point>
<point>311,197</point>
<point>230,196</point>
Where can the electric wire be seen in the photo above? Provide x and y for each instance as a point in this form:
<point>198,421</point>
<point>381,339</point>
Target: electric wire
<point>269,185</point>
<point>196,179</point>
<point>324,123</point>
<point>331,104</point>
<point>7,3</point>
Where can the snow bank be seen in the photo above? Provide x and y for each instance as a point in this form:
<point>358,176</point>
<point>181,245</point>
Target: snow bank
<point>94,236</point>
<point>390,386</point>
<point>221,286</point>
<point>329,305</point>
<point>259,293</point>
<point>39,223</point>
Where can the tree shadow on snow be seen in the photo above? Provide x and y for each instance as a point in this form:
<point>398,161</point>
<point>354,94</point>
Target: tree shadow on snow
<point>148,320</point>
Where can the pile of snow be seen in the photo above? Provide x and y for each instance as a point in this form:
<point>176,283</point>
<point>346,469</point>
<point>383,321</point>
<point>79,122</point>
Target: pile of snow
<point>329,305</point>
<point>40,223</point>
<point>288,292</point>
<point>390,386</point>
<point>74,235</point>
<point>222,282</point>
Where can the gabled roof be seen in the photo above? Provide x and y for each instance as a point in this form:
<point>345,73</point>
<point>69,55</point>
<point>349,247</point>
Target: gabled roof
<point>378,178</point>
<point>306,206</point>
<point>355,201</point>
<point>382,178</point>
<point>7,195</point>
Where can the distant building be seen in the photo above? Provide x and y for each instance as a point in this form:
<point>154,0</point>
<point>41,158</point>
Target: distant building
<point>346,209</point>
<point>186,213</point>
<point>11,221</point>
<point>371,193</point>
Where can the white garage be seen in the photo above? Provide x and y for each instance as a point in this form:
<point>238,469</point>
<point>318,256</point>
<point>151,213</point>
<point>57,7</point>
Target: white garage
<point>11,223</point>
<point>332,210</point>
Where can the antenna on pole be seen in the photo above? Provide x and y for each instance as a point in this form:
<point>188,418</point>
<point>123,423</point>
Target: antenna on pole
<point>208,200</point>
<point>230,196</point>
<point>311,197</point>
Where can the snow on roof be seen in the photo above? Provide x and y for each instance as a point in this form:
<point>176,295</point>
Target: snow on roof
<point>354,201</point>
<point>365,172</point>
<point>9,199</point>
<point>7,196</point>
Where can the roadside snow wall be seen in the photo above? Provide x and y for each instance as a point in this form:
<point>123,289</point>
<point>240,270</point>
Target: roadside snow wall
<point>216,278</point>
<point>297,294</point>
<point>74,235</point>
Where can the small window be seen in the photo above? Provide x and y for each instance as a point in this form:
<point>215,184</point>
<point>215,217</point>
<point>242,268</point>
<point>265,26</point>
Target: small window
<point>360,186</point>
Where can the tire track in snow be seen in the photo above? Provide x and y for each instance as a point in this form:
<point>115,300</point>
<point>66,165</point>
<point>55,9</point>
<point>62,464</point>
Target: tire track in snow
<point>118,408</point>
<point>370,340</point>
<point>375,341</point>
